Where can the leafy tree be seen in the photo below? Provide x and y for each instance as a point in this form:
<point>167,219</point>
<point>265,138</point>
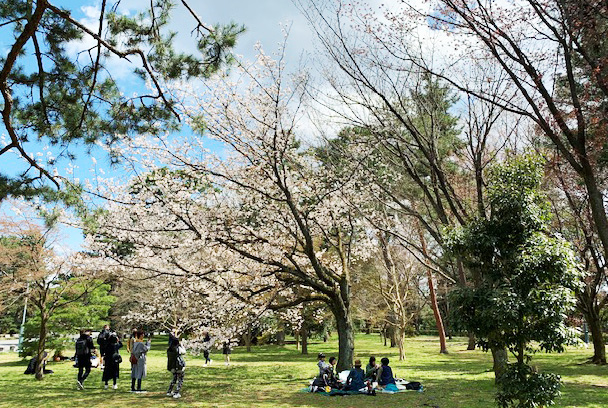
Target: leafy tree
<point>528,276</point>
<point>89,311</point>
<point>63,98</point>
<point>29,269</point>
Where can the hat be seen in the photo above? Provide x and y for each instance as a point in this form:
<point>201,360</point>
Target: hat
<point>321,355</point>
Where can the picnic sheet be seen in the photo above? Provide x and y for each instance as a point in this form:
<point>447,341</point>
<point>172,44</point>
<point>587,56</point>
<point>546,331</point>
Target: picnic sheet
<point>399,387</point>
<point>340,392</point>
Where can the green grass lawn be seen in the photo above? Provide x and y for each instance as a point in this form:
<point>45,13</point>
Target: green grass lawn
<point>271,376</point>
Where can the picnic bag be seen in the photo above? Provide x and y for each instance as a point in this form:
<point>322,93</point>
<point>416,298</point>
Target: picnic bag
<point>414,385</point>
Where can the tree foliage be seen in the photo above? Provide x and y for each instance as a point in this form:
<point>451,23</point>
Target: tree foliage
<point>60,91</point>
<point>527,279</point>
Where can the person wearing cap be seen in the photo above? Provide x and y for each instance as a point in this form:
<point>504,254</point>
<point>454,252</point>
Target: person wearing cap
<point>355,379</point>
<point>322,364</point>
<point>320,381</point>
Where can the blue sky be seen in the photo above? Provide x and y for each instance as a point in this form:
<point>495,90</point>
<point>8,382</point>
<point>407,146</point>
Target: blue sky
<point>262,18</point>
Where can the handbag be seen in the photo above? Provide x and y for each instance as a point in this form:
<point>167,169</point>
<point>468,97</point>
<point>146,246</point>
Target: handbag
<point>133,359</point>
<point>117,358</point>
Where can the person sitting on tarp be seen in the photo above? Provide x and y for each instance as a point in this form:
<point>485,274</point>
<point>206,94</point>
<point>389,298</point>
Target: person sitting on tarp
<point>371,369</point>
<point>355,379</point>
<point>326,378</point>
<point>332,379</point>
<point>385,374</point>
<point>31,367</point>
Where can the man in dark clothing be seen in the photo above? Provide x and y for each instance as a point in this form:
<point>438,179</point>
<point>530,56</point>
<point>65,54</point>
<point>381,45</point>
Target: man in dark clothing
<point>84,350</point>
<point>102,340</point>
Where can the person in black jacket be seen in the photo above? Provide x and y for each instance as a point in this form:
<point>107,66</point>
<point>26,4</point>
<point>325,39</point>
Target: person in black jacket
<point>84,350</point>
<point>113,359</point>
<point>102,340</point>
<point>176,365</point>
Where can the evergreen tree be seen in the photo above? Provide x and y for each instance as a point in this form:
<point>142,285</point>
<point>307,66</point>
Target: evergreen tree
<point>527,279</point>
<point>63,98</point>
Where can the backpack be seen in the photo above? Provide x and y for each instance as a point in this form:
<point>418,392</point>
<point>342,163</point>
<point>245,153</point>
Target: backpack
<point>82,349</point>
<point>414,385</point>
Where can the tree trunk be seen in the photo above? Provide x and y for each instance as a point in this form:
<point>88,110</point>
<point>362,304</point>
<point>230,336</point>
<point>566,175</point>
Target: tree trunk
<point>248,338</point>
<point>596,202</point>
<point>595,327</point>
<point>281,335</point>
<point>304,338</point>
<point>500,358</point>
<point>443,348</point>
<point>41,344</point>
<point>472,341</point>
<point>401,343</point>
<point>297,337</point>
<point>346,339</point>
<point>599,346</point>
<point>391,332</point>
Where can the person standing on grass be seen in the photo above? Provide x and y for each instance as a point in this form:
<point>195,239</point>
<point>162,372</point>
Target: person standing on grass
<point>113,359</point>
<point>102,340</point>
<point>226,351</point>
<point>84,350</point>
<point>131,340</point>
<point>207,348</point>
<point>139,351</point>
<point>176,365</point>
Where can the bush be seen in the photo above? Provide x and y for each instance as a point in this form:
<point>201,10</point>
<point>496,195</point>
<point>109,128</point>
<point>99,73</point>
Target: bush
<point>520,386</point>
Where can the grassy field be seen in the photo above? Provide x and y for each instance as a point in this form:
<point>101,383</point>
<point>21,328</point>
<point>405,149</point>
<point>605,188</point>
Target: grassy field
<point>271,376</point>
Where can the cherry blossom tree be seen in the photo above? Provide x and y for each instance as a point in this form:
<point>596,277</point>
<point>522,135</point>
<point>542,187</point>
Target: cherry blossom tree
<point>262,211</point>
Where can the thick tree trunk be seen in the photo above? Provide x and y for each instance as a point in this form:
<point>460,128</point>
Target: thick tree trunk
<point>443,348</point>
<point>589,307</point>
<point>500,358</point>
<point>304,338</point>
<point>599,346</point>
<point>346,339</point>
<point>595,327</point>
<point>472,341</point>
<point>41,344</point>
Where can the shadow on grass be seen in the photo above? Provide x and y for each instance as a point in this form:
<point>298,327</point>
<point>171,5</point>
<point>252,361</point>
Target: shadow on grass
<point>15,363</point>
